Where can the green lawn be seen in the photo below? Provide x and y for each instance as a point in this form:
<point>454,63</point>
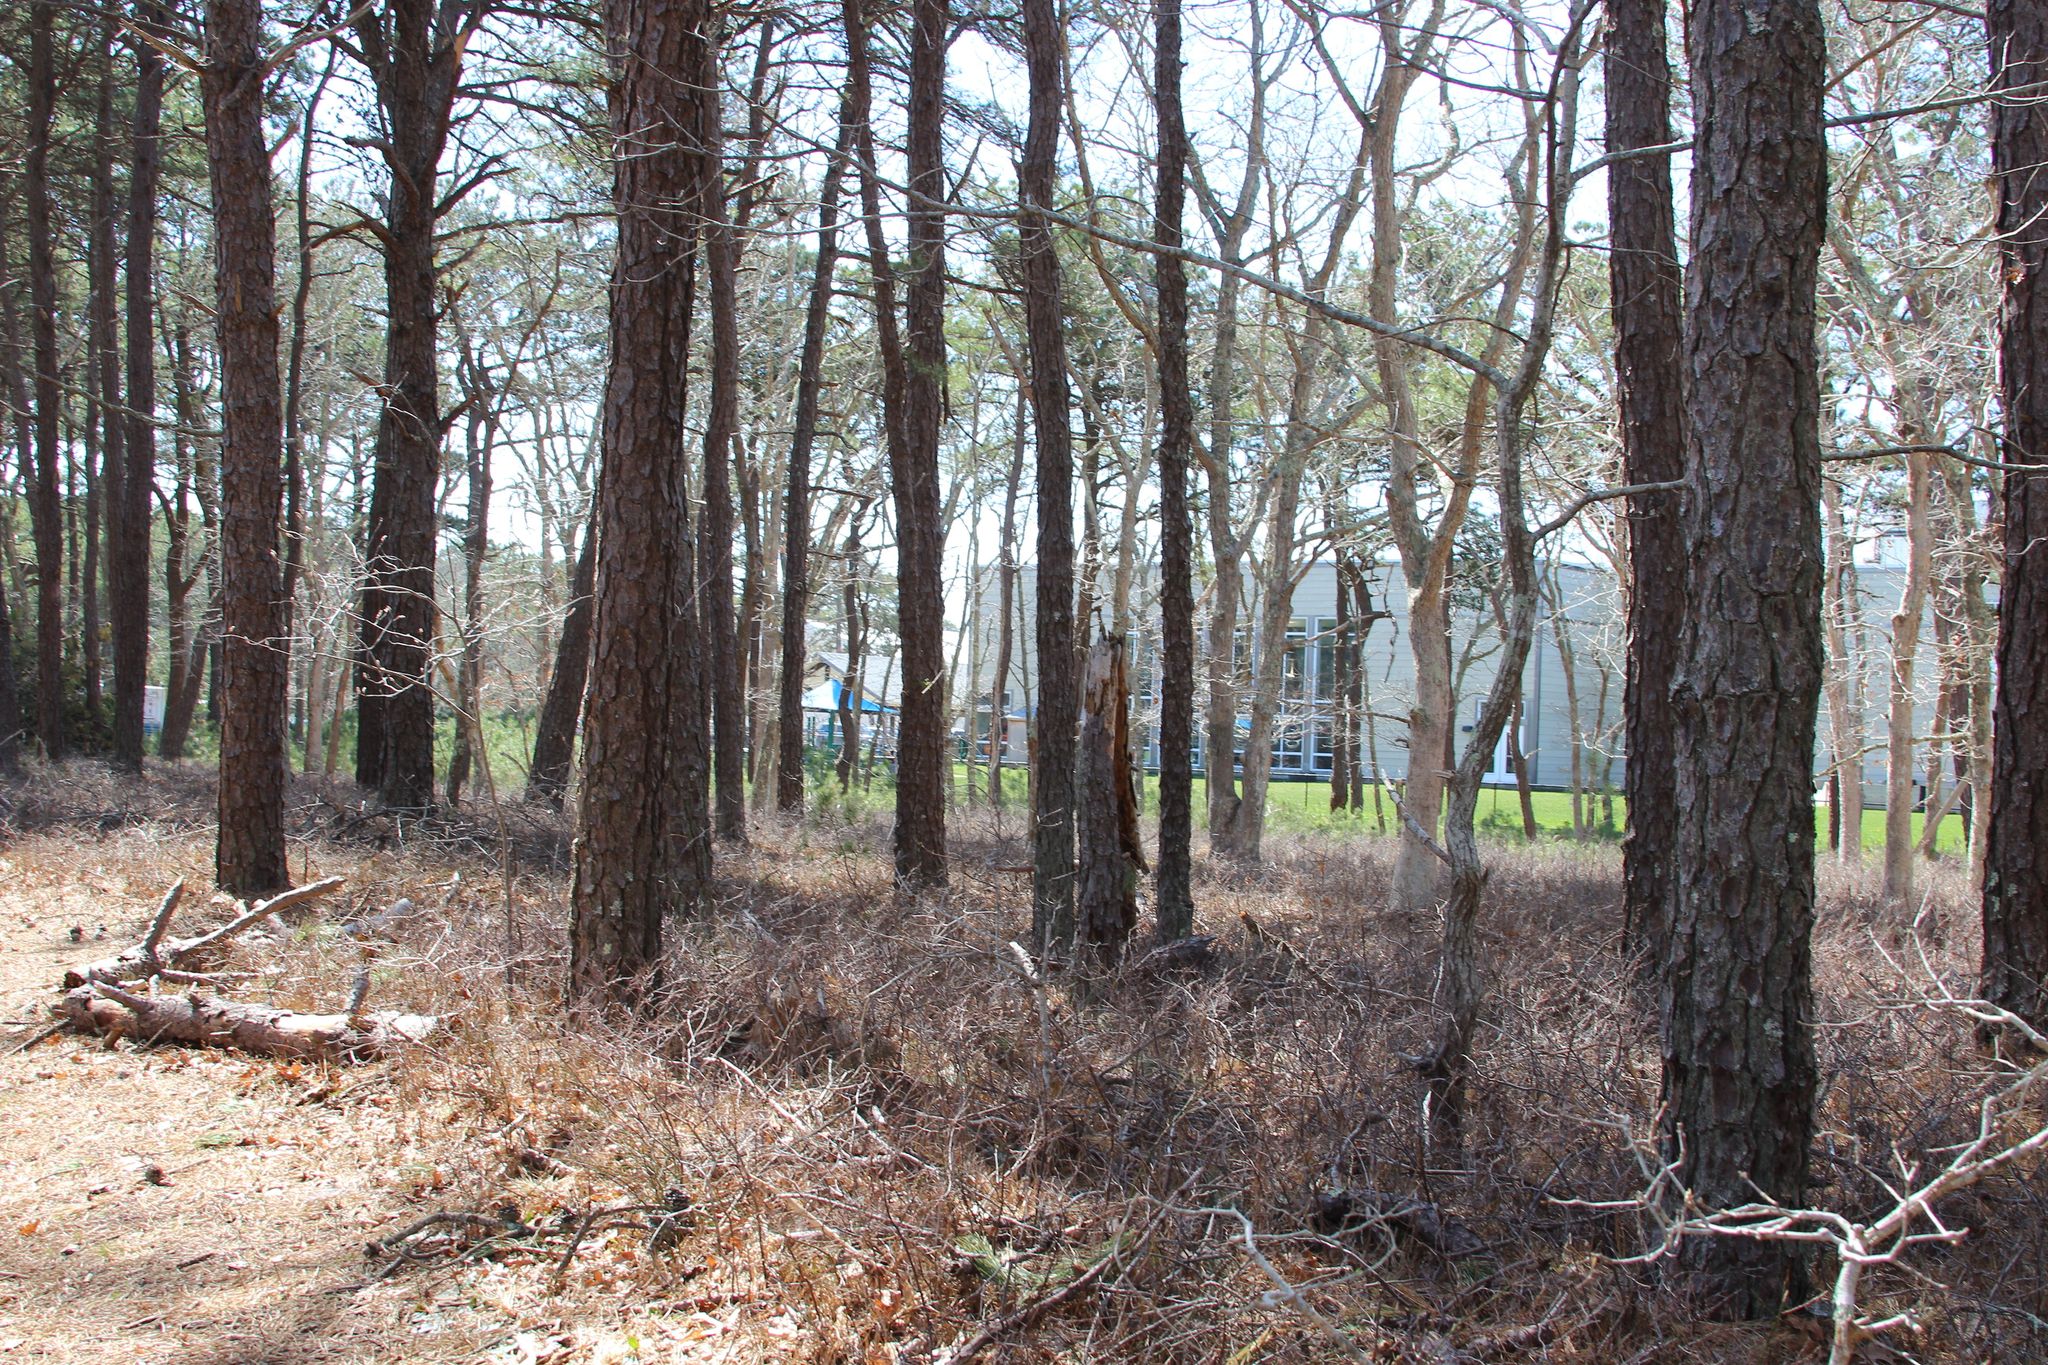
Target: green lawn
<point>1304,808</point>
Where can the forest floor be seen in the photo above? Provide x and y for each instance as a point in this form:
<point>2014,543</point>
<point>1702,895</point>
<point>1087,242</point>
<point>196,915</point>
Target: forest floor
<point>891,1139</point>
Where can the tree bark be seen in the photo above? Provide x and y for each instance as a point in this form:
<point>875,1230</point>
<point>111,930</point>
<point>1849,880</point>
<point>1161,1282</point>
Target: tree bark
<point>254,765</point>
<point>1006,592</point>
<point>923,768</point>
<point>643,842</point>
<point>1052,868</point>
<point>724,662</point>
<point>106,468</point>
<point>1175,910</point>
<point>2015,965</point>
<point>1739,1068</point>
<point>1899,747</point>
<point>413,50</point>
<point>1646,287</point>
<point>129,512</point>
<point>46,513</point>
<point>796,582</point>
<point>554,738</point>
<point>1110,852</point>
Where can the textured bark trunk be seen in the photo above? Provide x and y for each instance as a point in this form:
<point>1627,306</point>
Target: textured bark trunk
<point>643,843</point>
<point>2016,851</point>
<point>724,663</point>
<point>1647,287</point>
<point>554,737</point>
<point>130,513</point>
<point>796,546</point>
<point>46,513</point>
<point>1174,898</point>
<point>414,52</point>
<point>1111,854</point>
<point>923,769</point>
<point>106,468</point>
<point>250,858</point>
<point>1053,740</point>
<point>1739,1068</point>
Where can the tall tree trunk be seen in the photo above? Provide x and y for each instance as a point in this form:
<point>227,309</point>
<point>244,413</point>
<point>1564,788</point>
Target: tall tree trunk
<point>554,736</point>
<point>923,767</point>
<point>643,842</point>
<point>1052,868</point>
<point>1646,287</point>
<point>105,474</point>
<point>725,664</point>
<point>46,512</point>
<point>250,859</point>
<point>414,52</point>
<point>1737,996</point>
<point>129,510</point>
<point>2015,964</point>
<point>1006,593</point>
<point>1175,899</point>
<point>796,545</point>
<point>480,422</point>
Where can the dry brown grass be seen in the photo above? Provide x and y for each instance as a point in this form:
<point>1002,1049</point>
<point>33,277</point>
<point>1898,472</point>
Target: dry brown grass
<point>861,1094</point>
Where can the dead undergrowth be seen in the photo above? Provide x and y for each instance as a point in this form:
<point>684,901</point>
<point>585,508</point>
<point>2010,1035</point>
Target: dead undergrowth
<point>863,1129</point>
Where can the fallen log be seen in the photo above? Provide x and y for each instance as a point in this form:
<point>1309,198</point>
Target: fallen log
<point>175,960</point>
<point>211,1021</point>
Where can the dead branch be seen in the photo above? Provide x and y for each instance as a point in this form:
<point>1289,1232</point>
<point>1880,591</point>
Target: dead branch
<point>152,957</point>
<point>113,1012</point>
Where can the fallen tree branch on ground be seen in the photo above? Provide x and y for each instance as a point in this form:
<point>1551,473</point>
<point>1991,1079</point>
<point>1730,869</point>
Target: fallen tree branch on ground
<point>176,959</point>
<point>211,1021</point>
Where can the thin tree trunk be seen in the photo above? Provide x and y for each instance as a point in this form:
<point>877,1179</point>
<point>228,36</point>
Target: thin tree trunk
<point>923,770</point>
<point>1006,593</point>
<point>554,738</point>
<point>250,859</point>
<point>1843,685</point>
<point>1646,288</point>
<point>1052,875</point>
<point>1175,909</point>
<point>46,513</point>
<point>1899,748</point>
<point>105,469</point>
<point>1739,1069</point>
<point>796,546</point>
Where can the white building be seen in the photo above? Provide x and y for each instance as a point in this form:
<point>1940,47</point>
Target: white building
<point>1571,689</point>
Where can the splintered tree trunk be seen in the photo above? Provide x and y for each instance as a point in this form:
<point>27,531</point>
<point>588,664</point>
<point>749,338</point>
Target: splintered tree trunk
<point>554,738</point>
<point>129,509</point>
<point>46,513</point>
<point>796,545</point>
<point>2016,849</point>
<point>1052,867</point>
<point>1737,993</point>
<point>643,839</point>
<point>923,769</point>
<point>1111,853</point>
<point>250,859</point>
<point>1176,907</point>
<point>724,661</point>
<point>1646,286</point>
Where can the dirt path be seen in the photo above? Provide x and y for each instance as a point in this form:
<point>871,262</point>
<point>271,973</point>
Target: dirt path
<point>179,1204</point>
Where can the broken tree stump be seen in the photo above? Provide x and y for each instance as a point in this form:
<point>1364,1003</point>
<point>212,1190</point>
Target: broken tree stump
<point>176,959</point>
<point>212,1021</point>
<point>1111,853</point>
